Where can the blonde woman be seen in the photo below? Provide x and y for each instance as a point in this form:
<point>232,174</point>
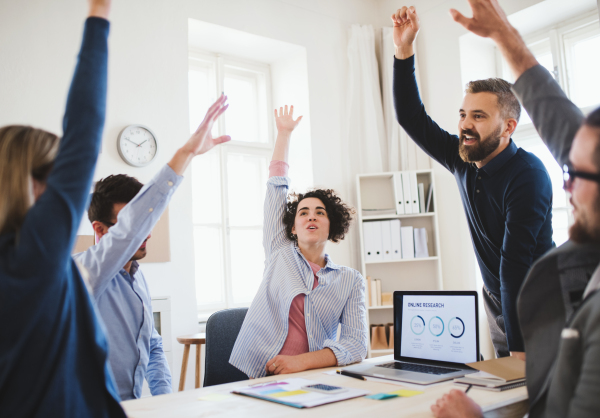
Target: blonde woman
<point>53,353</point>
<point>304,297</point>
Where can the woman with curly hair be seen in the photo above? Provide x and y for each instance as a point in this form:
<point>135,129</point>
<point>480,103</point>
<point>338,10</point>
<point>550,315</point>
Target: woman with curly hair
<point>292,323</point>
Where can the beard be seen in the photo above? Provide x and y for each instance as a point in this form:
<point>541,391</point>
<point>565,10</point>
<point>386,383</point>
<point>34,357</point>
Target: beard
<point>482,149</point>
<point>139,254</point>
<point>586,229</point>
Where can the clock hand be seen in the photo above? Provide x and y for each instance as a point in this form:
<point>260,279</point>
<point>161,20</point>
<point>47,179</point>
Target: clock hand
<point>139,145</point>
<point>136,144</point>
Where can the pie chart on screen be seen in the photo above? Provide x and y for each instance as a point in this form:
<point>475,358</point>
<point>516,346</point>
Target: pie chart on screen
<point>456,327</point>
<point>436,326</point>
<point>417,324</point>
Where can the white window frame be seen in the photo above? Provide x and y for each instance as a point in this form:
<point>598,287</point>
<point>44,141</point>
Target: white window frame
<point>222,63</point>
<point>557,36</point>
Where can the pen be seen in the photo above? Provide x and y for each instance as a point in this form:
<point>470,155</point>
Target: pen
<point>354,375</point>
<point>468,388</point>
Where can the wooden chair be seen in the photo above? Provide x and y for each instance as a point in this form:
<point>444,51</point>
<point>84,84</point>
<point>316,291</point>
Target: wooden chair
<point>187,340</point>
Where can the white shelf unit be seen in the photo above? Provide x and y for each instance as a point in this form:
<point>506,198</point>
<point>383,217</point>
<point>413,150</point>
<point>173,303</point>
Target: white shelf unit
<point>376,191</point>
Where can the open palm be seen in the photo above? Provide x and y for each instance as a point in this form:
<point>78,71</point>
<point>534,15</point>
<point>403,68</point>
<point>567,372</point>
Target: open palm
<point>285,119</point>
<point>202,140</point>
<point>406,26</point>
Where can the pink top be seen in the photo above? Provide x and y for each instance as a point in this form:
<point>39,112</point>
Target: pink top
<point>297,340</point>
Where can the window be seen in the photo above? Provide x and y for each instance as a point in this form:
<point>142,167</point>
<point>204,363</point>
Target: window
<point>229,181</point>
<point>571,52</point>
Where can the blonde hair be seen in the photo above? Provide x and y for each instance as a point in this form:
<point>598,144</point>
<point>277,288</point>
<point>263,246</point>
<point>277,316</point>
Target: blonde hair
<point>26,153</point>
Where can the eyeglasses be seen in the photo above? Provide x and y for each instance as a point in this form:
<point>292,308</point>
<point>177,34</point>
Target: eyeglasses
<point>569,176</point>
<point>109,224</point>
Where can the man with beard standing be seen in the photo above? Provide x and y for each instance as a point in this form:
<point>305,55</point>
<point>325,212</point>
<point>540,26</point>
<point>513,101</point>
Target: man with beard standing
<point>506,191</point>
<point>559,303</point>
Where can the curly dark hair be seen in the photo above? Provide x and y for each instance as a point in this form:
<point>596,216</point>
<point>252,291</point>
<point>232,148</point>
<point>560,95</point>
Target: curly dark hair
<point>118,188</point>
<point>339,213</point>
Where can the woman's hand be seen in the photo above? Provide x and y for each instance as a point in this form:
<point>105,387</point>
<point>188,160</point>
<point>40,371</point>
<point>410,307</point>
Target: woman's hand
<point>99,8</point>
<point>285,120</point>
<point>285,365</point>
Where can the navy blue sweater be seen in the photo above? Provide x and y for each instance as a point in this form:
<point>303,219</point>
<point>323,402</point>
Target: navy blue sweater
<point>53,352</point>
<point>508,202</point>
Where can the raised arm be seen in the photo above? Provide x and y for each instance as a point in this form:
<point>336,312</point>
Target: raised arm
<point>555,117</point>
<point>285,126</point>
<point>277,187</point>
<point>58,211</point>
<point>139,216</point>
<point>410,112</point>
<point>202,140</point>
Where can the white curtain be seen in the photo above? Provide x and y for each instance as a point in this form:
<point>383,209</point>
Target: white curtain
<point>367,143</point>
<point>402,152</point>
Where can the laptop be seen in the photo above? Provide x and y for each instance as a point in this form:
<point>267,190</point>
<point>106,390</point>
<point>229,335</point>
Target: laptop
<point>435,334</point>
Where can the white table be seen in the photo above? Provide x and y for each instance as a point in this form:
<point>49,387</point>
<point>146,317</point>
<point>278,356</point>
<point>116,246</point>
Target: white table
<point>511,403</point>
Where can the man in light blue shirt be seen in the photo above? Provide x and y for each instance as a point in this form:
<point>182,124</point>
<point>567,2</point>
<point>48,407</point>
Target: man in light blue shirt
<point>123,213</point>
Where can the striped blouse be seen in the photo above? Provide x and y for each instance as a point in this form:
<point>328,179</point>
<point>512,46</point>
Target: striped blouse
<point>339,299</point>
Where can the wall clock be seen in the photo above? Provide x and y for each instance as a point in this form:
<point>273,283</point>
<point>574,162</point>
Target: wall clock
<point>137,145</point>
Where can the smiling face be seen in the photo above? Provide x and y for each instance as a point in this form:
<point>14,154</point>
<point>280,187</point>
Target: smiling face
<point>585,194</point>
<point>483,133</point>
<point>311,223</point>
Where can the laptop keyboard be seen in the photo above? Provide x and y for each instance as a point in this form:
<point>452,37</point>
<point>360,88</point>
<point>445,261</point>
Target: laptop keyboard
<point>419,368</point>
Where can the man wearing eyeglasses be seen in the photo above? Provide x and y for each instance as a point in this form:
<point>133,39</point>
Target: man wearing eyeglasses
<point>559,303</point>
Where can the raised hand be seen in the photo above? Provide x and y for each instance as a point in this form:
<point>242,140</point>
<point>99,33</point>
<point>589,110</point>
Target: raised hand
<point>488,21</point>
<point>406,26</point>
<point>99,8</point>
<point>285,119</point>
<point>202,140</point>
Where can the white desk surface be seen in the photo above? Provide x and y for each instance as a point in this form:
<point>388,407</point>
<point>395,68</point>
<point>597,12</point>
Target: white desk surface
<point>186,404</point>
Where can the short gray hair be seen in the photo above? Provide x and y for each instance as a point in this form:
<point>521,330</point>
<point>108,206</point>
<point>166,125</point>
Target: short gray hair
<point>507,102</point>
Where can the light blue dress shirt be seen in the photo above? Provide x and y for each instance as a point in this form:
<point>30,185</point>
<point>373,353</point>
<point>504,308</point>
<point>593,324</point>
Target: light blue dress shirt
<point>339,299</point>
<point>123,299</point>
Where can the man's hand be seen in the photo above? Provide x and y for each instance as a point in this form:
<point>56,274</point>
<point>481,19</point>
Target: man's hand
<point>456,404</point>
<point>285,120</point>
<point>285,365</point>
<point>518,354</point>
<point>202,140</point>
<point>489,21</point>
<point>406,27</point>
<point>99,8</point>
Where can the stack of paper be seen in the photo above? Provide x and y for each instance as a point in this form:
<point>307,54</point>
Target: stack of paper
<point>496,375</point>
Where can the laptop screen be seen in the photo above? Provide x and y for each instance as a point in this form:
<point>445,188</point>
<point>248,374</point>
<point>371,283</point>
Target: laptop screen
<point>439,326</point>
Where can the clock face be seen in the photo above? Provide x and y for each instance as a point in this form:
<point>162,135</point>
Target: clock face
<point>137,145</point>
